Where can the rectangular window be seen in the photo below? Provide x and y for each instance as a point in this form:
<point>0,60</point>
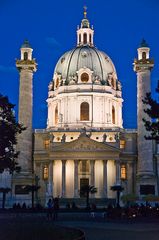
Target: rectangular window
<point>46,144</point>
<point>45,173</point>
<point>122,144</point>
<point>123,172</point>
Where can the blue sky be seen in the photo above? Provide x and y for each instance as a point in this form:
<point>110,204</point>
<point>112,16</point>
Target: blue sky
<point>50,26</point>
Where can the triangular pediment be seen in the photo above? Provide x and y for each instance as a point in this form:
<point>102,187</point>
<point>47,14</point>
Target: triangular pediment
<point>85,144</point>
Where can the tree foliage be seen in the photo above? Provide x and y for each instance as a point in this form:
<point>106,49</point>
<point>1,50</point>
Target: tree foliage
<point>9,129</point>
<point>152,110</point>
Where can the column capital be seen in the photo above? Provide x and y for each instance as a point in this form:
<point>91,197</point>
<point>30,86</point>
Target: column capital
<point>105,161</point>
<point>92,162</point>
<point>76,161</point>
<point>64,162</point>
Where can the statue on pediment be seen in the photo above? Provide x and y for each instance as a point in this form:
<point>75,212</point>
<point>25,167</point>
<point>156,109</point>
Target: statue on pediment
<point>104,138</point>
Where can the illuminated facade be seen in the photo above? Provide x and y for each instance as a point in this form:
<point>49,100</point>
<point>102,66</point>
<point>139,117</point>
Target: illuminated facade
<point>84,142</point>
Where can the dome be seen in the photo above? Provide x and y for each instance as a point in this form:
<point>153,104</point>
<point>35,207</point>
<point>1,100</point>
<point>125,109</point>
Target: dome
<point>88,57</point>
<point>85,90</point>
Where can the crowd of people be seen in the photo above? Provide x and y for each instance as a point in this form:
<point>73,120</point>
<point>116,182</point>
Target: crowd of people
<point>134,211</point>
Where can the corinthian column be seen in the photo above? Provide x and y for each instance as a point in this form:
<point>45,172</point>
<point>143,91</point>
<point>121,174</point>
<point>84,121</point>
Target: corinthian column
<point>92,182</point>
<point>76,178</point>
<point>105,178</point>
<point>50,183</point>
<point>118,178</point>
<point>63,178</point>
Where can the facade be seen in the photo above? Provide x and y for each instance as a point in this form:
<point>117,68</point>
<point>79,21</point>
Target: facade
<point>84,142</point>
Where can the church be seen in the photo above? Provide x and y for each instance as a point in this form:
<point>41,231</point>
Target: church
<point>84,142</point>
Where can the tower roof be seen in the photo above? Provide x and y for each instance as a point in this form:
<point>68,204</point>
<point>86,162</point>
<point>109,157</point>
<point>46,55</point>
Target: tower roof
<point>143,43</point>
<point>85,22</point>
<point>26,44</point>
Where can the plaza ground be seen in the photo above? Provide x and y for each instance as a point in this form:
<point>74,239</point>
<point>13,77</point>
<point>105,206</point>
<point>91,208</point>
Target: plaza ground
<point>36,227</point>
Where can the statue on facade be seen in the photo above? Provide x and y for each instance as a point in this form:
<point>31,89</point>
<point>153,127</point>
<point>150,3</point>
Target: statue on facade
<point>52,138</point>
<point>116,137</point>
<point>89,135</point>
<point>63,139</point>
<point>104,137</point>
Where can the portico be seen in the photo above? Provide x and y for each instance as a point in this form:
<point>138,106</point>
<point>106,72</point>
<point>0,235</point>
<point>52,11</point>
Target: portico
<point>82,161</point>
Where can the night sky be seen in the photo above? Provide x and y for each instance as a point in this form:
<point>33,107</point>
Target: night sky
<point>50,26</point>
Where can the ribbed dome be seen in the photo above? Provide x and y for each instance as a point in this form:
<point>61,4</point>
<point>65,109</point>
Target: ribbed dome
<point>85,57</point>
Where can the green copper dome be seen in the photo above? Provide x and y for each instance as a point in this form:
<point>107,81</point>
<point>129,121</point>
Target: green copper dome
<point>85,57</point>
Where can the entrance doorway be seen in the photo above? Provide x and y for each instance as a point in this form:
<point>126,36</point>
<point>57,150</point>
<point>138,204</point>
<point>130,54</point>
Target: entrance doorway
<point>83,182</point>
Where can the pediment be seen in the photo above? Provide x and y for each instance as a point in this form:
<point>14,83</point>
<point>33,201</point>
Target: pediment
<point>85,144</point>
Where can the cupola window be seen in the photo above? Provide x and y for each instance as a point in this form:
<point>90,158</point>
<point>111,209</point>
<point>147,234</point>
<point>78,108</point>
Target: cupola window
<point>144,55</point>
<point>80,38</point>
<point>56,115</point>
<point>57,82</point>
<point>113,115</point>
<point>84,111</point>
<point>85,38</point>
<point>90,38</point>
<point>25,56</point>
<point>84,77</point>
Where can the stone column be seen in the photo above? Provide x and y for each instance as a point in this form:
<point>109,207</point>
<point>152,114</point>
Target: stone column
<point>143,66</point>
<point>105,178</point>
<point>76,178</point>
<point>50,180</point>
<point>130,177</point>
<point>63,178</point>
<point>118,178</point>
<point>92,180</point>
<point>26,69</point>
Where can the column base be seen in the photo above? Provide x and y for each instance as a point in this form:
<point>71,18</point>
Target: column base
<point>20,193</point>
<point>146,184</point>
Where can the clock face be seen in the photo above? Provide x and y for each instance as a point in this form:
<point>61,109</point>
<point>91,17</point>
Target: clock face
<point>84,77</point>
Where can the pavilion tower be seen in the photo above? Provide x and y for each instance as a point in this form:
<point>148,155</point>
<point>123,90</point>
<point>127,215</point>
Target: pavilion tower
<point>145,167</point>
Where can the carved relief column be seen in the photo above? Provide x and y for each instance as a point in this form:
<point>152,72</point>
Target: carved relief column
<point>50,182</point>
<point>105,178</point>
<point>92,180</point>
<point>76,178</point>
<point>63,178</point>
<point>118,178</point>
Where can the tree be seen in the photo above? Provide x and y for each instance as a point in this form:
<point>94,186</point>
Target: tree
<point>9,129</point>
<point>118,189</point>
<point>86,190</point>
<point>152,125</point>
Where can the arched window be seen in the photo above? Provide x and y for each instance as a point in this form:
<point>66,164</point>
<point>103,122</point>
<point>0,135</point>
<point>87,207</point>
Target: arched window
<point>112,82</point>
<point>84,111</point>
<point>84,77</point>
<point>144,55</point>
<point>113,115</point>
<point>56,115</point>
<point>25,56</point>
<point>85,38</point>
<point>57,82</point>
<point>80,38</point>
<point>90,38</point>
